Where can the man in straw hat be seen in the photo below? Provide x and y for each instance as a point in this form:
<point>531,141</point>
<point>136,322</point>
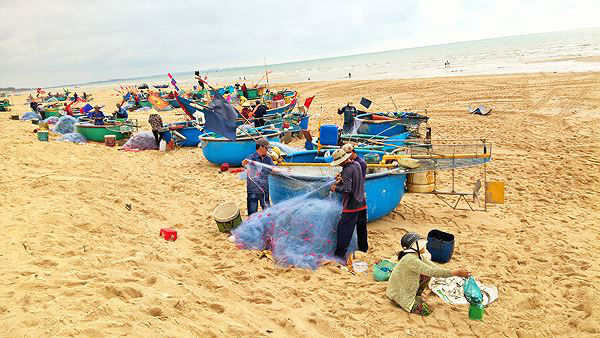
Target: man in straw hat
<point>411,275</point>
<point>361,224</point>
<point>352,187</point>
<point>96,115</point>
<point>257,176</point>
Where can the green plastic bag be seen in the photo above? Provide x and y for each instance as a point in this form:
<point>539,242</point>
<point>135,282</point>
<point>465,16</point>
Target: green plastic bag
<point>383,270</point>
<point>473,292</point>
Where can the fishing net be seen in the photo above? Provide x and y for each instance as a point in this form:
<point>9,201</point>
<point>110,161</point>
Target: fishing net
<point>301,229</point>
<point>72,137</point>
<point>65,125</point>
<point>142,109</point>
<point>143,140</point>
<point>30,116</point>
<point>285,148</point>
<point>52,120</point>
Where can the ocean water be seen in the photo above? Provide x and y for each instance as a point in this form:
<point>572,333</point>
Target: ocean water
<point>544,52</point>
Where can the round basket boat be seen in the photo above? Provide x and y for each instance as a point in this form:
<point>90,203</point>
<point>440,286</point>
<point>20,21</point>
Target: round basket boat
<point>219,150</point>
<point>96,133</point>
<point>384,187</point>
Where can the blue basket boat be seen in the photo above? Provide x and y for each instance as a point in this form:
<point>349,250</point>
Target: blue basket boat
<point>383,125</point>
<point>190,130</point>
<point>218,150</point>
<point>373,142</point>
<point>384,187</point>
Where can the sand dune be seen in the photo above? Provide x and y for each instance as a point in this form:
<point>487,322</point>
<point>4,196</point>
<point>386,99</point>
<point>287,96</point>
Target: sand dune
<point>75,262</point>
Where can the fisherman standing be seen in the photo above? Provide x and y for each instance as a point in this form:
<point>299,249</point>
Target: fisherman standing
<point>361,223</point>
<point>259,112</point>
<point>352,187</point>
<point>257,181</point>
<point>349,112</point>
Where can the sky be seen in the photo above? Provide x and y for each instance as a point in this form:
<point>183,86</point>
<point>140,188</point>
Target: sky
<point>49,43</point>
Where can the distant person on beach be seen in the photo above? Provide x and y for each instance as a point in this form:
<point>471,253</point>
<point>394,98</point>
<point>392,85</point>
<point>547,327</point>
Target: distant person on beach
<point>352,187</point>
<point>84,96</point>
<point>136,99</point>
<point>156,124</point>
<point>245,90</point>
<point>361,223</point>
<point>349,112</point>
<point>259,112</point>
<point>257,181</point>
<point>121,112</point>
<point>75,97</point>
<point>97,115</point>
<point>411,275</point>
<point>349,75</point>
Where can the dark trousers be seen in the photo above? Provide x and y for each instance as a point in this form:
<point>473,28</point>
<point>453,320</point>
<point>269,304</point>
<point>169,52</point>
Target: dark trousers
<point>253,200</point>
<point>348,126</point>
<point>361,231</point>
<point>345,229</point>
<point>158,136</point>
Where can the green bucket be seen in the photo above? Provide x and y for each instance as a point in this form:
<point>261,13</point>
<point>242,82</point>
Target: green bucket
<point>42,136</point>
<point>227,216</point>
<point>383,270</point>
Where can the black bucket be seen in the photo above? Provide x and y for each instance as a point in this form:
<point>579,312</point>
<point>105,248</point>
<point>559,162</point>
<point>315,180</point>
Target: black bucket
<point>441,245</point>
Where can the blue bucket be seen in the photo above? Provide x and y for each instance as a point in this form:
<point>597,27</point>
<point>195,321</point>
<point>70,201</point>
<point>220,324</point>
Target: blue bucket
<point>42,136</point>
<point>441,245</point>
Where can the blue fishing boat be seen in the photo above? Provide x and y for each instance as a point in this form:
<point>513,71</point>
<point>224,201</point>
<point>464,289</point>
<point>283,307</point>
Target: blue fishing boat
<point>384,187</point>
<point>172,102</point>
<point>373,142</point>
<point>190,131</point>
<point>322,156</point>
<point>383,125</point>
<point>218,150</point>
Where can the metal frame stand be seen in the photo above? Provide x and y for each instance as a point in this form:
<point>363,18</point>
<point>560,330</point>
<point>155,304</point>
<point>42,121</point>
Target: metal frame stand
<point>462,195</point>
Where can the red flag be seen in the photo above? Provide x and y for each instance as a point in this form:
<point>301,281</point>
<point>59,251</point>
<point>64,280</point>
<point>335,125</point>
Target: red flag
<point>308,101</point>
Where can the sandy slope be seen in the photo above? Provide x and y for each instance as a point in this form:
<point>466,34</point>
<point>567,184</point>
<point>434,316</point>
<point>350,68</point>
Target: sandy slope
<point>75,262</point>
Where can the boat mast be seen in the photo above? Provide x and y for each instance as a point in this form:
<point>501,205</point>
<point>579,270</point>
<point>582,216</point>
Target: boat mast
<point>266,72</point>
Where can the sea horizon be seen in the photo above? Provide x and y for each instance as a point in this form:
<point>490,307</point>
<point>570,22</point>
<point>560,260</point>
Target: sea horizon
<point>540,52</point>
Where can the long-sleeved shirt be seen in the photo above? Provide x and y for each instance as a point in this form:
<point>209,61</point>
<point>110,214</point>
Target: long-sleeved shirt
<point>352,188</point>
<point>122,113</point>
<point>97,116</point>
<point>404,281</point>
<point>257,181</point>
<point>349,113</point>
<point>363,166</point>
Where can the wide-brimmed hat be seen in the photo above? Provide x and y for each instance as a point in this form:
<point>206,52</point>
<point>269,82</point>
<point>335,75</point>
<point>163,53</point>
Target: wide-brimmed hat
<point>339,156</point>
<point>97,106</point>
<point>263,142</point>
<point>348,147</point>
<point>246,104</point>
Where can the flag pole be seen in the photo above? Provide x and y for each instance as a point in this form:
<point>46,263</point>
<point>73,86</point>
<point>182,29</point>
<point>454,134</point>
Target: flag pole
<point>266,72</point>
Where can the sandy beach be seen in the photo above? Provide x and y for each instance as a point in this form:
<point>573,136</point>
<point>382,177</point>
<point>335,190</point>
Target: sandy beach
<point>75,262</point>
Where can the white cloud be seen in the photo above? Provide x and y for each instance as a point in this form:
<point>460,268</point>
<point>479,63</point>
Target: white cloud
<point>55,42</point>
